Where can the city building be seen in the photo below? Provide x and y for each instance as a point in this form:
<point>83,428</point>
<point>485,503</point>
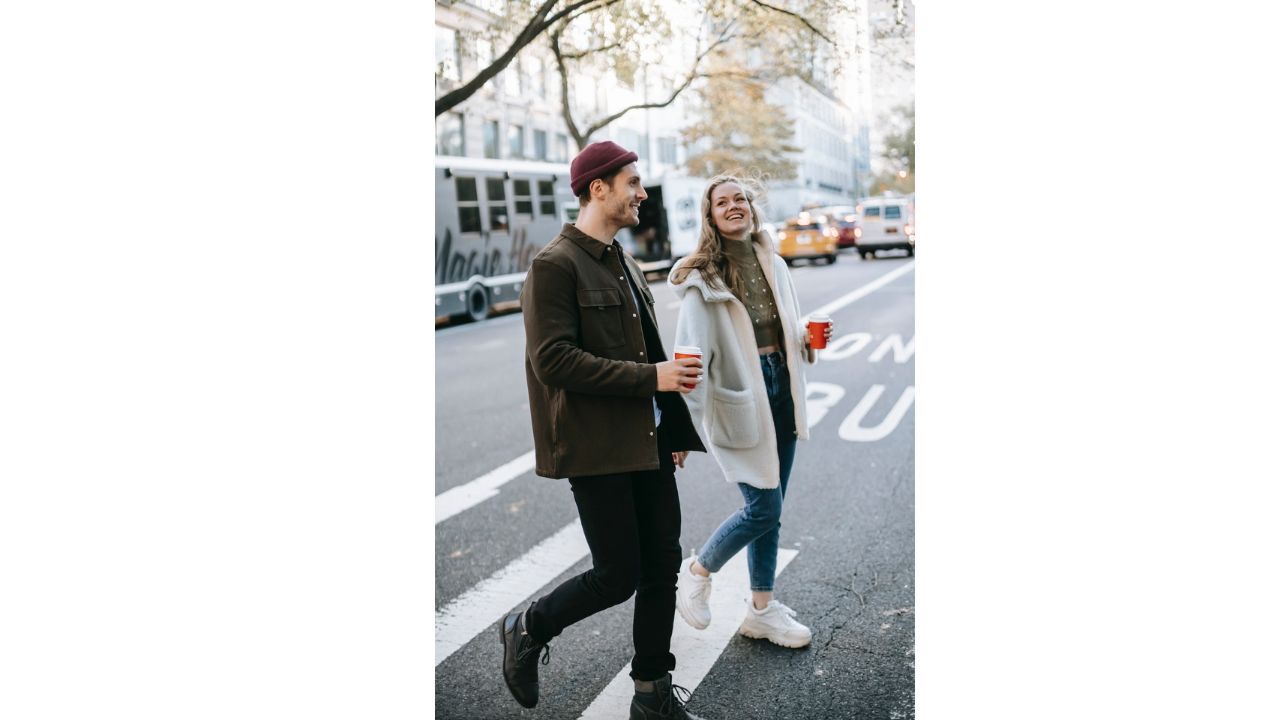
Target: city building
<point>517,115</point>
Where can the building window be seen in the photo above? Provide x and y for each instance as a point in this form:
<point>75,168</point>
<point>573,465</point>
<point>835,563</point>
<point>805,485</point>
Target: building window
<point>522,193</point>
<point>634,141</point>
<point>450,138</point>
<point>484,58</point>
<point>491,139</point>
<point>538,77</point>
<point>496,189</point>
<point>468,205</point>
<point>448,59</point>
<point>515,141</point>
<point>562,147</point>
<point>540,144</point>
<point>546,198</point>
<point>667,150</point>
<point>512,78</point>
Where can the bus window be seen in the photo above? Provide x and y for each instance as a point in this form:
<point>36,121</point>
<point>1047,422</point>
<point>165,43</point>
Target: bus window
<point>547,198</point>
<point>468,205</point>
<point>523,195</point>
<point>497,192</point>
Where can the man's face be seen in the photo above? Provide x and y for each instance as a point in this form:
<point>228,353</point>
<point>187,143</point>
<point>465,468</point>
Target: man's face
<point>622,199</point>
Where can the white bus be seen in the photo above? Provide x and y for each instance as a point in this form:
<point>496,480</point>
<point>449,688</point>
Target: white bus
<point>493,216</point>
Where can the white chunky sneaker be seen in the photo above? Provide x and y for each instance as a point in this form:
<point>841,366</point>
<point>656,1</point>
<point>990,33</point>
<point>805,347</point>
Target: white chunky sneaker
<point>776,624</point>
<point>692,595</point>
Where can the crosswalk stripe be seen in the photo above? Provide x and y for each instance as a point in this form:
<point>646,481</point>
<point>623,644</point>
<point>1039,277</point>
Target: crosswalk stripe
<point>696,651</point>
<point>455,500</point>
<point>481,606</point>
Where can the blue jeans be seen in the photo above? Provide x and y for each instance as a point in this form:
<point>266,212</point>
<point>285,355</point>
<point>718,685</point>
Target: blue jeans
<point>755,526</point>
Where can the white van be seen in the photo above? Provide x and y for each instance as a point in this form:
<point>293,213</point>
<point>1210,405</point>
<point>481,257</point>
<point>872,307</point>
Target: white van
<point>886,223</point>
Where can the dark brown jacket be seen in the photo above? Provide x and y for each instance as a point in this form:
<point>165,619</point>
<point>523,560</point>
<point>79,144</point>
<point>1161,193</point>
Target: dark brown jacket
<point>591,386</point>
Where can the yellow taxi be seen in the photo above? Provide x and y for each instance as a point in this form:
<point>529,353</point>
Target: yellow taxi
<point>808,236</point>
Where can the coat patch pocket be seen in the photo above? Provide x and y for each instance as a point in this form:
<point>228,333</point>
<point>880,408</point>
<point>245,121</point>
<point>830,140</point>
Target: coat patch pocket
<point>601,312</point>
<point>736,423</point>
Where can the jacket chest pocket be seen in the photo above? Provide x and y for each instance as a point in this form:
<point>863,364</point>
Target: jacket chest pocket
<point>601,312</point>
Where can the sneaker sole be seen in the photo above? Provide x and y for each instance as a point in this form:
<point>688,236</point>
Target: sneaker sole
<point>764,636</point>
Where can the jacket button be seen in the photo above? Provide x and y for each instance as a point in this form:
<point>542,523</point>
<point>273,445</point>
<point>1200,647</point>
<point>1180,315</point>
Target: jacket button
<point>650,434</point>
<point>642,352</point>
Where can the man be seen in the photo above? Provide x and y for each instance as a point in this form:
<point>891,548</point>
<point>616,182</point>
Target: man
<point>606,414</point>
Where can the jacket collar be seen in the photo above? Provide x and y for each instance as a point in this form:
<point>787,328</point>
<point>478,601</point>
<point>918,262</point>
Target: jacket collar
<point>593,246</point>
<point>762,243</point>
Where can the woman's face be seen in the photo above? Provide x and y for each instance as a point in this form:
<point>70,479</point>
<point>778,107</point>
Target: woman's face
<point>729,210</point>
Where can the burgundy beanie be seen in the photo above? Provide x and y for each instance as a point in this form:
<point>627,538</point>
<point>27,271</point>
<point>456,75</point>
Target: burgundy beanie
<point>595,161</point>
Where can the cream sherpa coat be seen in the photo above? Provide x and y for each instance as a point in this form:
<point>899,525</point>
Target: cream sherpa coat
<point>730,405</point>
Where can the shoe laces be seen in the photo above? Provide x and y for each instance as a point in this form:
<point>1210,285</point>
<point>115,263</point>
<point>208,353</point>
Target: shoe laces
<point>785,609</point>
<point>532,649</point>
<point>673,704</point>
<point>701,590</point>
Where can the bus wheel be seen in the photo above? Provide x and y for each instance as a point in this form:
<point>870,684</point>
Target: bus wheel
<point>831,259</point>
<point>477,303</point>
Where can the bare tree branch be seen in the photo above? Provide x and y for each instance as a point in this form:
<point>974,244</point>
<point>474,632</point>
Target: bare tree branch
<point>577,15</point>
<point>693,74</point>
<point>584,53</point>
<point>801,18</point>
<point>535,27</point>
<point>565,110</point>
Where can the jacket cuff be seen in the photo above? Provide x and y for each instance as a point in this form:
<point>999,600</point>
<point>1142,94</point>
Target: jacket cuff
<point>650,378</point>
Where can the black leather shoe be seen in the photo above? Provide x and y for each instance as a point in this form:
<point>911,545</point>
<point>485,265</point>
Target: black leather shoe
<point>666,702</point>
<point>520,659</point>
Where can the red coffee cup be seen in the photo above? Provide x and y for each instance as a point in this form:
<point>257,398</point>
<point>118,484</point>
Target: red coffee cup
<point>818,325</point>
<point>688,351</point>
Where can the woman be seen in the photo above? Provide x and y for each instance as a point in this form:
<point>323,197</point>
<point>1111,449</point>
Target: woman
<point>739,307</point>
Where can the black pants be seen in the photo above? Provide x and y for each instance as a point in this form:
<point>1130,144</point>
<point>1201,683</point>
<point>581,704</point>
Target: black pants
<point>632,524</point>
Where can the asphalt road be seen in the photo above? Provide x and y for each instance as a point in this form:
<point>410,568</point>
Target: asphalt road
<point>849,516</point>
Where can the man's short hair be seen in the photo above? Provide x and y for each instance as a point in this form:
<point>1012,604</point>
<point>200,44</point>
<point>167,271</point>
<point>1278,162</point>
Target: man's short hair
<point>585,197</point>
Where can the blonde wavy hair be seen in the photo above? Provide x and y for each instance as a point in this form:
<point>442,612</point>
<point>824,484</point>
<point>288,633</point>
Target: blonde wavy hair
<point>709,257</point>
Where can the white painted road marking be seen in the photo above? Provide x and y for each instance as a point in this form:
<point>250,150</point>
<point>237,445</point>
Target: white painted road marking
<point>455,500</point>
<point>696,651</point>
<point>844,346</point>
<point>901,352</point>
<point>481,606</point>
<point>865,290</point>
<point>851,429</point>
<point>827,395</point>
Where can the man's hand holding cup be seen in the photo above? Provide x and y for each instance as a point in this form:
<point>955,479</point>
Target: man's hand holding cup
<point>682,373</point>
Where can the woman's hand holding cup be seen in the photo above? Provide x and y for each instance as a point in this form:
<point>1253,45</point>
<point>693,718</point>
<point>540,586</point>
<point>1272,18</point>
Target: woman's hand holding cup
<point>820,329</point>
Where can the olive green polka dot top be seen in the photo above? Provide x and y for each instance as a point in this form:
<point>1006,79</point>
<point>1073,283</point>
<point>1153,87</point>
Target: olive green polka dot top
<point>759,296</point>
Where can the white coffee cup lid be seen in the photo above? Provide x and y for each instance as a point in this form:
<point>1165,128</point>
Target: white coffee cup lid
<point>688,350</point>
<point>820,318</point>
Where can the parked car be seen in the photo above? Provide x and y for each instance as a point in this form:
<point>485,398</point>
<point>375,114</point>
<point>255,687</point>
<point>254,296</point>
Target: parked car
<point>845,220</point>
<point>808,236</point>
<point>886,223</point>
